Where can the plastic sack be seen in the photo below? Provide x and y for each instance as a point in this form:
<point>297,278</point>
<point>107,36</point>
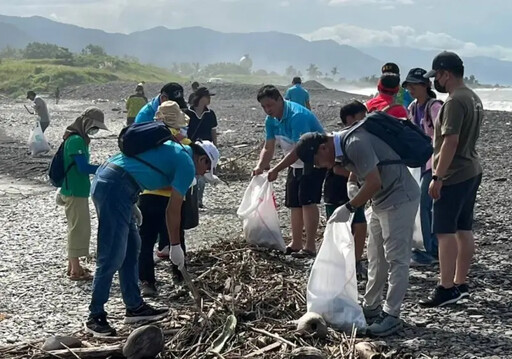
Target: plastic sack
<point>37,141</point>
<point>417,236</point>
<point>259,215</point>
<point>332,285</point>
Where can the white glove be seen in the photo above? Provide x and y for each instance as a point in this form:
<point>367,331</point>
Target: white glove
<point>138,215</point>
<point>340,215</point>
<point>177,256</point>
<point>212,179</point>
<point>352,190</point>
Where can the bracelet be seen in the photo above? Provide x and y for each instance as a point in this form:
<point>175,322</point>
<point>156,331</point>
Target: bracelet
<point>350,207</point>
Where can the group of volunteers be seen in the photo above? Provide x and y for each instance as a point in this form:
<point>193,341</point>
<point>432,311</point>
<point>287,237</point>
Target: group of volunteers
<point>163,154</point>
<point>363,168</point>
<point>151,191</point>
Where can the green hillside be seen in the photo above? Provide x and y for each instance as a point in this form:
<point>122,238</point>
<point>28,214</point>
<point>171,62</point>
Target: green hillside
<point>44,75</point>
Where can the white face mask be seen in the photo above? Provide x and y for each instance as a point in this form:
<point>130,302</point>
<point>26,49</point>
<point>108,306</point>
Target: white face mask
<point>93,131</point>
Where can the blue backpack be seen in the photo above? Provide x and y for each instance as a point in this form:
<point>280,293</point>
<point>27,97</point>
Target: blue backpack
<point>56,171</point>
<point>410,143</point>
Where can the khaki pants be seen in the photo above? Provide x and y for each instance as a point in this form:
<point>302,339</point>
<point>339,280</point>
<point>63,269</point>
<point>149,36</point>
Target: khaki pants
<point>79,225</point>
<point>389,254</point>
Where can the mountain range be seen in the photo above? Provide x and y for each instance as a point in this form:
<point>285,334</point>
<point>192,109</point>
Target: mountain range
<point>272,51</point>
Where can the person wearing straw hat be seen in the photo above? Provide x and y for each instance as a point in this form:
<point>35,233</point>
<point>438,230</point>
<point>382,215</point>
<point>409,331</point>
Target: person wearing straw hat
<point>75,191</point>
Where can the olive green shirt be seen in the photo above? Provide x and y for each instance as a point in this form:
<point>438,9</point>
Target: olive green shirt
<point>462,115</point>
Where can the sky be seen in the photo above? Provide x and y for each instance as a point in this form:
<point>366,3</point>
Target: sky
<point>470,27</point>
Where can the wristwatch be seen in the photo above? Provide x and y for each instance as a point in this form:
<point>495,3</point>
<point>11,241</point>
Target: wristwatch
<point>436,178</point>
<point>350,207</point>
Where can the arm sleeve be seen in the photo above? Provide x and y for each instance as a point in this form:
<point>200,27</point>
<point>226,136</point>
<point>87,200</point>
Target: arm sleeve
<point>269,130</point>
<point>453,115</point>
<point>183,177</point>
<point>287,95</point>
<point>362,156</point>
<point>83,165</point>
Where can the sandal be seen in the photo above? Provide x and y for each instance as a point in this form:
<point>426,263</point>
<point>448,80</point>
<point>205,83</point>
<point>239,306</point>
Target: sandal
<point>84,275</point>
<point>289,250</point>
<point>304,253</point>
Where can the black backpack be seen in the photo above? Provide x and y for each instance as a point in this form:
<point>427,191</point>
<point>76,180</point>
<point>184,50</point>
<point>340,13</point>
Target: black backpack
<point>56,171</point>
<point>404,137</point>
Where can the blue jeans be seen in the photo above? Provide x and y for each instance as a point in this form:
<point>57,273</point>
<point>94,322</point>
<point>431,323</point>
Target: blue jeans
<point>114,192</point>
<point>429,239</point>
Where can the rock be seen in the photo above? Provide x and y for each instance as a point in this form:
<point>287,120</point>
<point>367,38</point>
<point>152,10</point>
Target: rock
<point>500,179</point>
<point>55,343</point>
<point>144,342</point>
<point>312,323</point>
<point>307,353</point>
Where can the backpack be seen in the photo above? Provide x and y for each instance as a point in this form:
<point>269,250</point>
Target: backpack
<point>141,137</point>
<point>56,171</point>
<point>403,136</point>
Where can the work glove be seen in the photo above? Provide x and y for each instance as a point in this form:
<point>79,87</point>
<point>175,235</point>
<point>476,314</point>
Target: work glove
<point>352,190</point>
<point>138,215</point>
<point>177,256</point>
<point>212,179</point>
<point>340,215</point>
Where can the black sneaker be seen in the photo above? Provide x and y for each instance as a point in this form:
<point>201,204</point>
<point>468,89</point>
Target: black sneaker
<point>99,327</point>
<point>148,289</point>
<point>441,297</point>
<point>144,313</point>
<point>463,289</point>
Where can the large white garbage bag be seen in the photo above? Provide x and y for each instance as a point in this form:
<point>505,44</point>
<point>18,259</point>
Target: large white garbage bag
<point>417,237</point>
<point>37,141</point>
<point>332,285</point>
<point>259,214</point>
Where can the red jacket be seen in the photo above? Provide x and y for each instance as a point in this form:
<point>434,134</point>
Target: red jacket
<point>383,100</point>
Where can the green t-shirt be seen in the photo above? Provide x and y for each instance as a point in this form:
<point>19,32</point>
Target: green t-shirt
<point>75,184</point>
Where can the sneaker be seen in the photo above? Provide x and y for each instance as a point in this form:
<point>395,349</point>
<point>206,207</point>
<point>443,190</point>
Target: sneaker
<point>463,289</point>
<point>164,253</point>
<point>371,315</point>
<point>148,289</point>
<point>420,259</point>
<point>441,297</point>
<point>146,313</point>
<point>99,327</point>
<point>384,325</point>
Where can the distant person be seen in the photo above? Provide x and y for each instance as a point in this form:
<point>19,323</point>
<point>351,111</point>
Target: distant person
<point>388,86</point>
<point>172,91</point>
<point>423,111</point>
<point>40,109</point>
<point>298,94</point>
<point>76,186</point>
<point>57,95</point>
<point>194,87</point>
<point>202,126</point>
<point>115,189</point>
<point>337,184</point>
<point>286,121</point>
<point>456,176</point>
<point>403,97</point>
<point>134,103</point>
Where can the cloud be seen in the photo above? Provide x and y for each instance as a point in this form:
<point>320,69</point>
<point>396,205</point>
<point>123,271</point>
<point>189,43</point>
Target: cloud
<point>407,36</point>
<point>389,3</point>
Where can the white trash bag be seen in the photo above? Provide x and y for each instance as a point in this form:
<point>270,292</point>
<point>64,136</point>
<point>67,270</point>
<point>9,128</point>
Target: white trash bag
<point>37,141</point>
<point>259,214</point>
<point>417,236</point>
<point>332,285</point>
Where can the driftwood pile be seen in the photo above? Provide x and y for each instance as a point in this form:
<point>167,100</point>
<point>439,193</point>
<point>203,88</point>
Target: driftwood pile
<point>250,302</point>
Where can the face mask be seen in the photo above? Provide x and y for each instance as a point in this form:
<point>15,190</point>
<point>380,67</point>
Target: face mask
<point>439,88</point>
<point>93,131</point>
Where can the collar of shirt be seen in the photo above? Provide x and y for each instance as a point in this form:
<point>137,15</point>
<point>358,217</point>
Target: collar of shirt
<point>286,110</point>
<point>338,152</point>
<point>206,110</point>
<point>155,103</point>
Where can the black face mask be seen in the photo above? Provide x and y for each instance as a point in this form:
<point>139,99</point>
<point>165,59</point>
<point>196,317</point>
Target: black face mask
<point>439,87</point>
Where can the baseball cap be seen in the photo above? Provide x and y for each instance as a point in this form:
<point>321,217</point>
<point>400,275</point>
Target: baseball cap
<point>307,147</point>
<point>446,60</point>
<point>416,76</point>
<point>390,67</point>
<point>169,112</point>
<point>213,153</point>
<point>174,92</point>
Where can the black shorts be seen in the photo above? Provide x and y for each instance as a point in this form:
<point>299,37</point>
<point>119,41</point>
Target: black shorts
<point>454,210</point>
<point>303,190</point>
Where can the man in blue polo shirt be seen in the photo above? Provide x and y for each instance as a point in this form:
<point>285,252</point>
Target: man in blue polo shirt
<point>298,94</point>
<point>172,91</point>
<point>286,121</point>
<point>115,190</point>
